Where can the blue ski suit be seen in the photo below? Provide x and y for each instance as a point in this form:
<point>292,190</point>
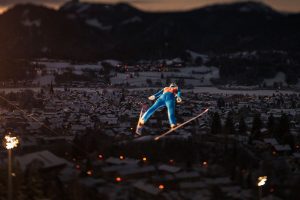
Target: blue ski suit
<point>165,97</point>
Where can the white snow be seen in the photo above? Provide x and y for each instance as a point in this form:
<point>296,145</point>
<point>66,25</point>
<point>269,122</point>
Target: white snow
<point>46,157</point>
<point>134,19</point>
<point>196,55</point>
<point>44,80</point>
<point>97,24</point>
<point>55,64</point>
<point>214,90</point>
<point>279,78</point>
<point>195,76</point>
<point>31,23</point>
<point>111,62</point>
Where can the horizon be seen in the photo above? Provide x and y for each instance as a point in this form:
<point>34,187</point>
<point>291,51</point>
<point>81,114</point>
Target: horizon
<point>160,6</point>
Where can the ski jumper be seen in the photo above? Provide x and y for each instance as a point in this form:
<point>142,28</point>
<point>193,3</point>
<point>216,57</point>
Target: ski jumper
<point>165,97</point>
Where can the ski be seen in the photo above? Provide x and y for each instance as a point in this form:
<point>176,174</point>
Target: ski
<point>180,125</point>
<point>143,110</point>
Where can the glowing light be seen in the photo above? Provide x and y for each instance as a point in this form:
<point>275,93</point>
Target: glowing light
<point>171,161</point>
<point>100,156</point>
<point>118,179</point>
<point>89,172</point>
<point>274,153</point>
<point>11,142</point>
<point>262,180</point>
<point>205,163</point>
<point>77,166</point>
<point>161,187</point>
<point>144,159</point>
<point>122,157</point>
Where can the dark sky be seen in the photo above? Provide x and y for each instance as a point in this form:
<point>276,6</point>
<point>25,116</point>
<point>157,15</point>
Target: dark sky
<point>163,5</point>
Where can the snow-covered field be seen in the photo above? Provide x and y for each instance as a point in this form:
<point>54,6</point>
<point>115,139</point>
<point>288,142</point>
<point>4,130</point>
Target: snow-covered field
<point>193,76</point>
<point>279,78</point>
<point>211,90</point>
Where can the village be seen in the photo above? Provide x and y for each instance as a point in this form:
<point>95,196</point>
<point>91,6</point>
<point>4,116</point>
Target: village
<point>82,142</point>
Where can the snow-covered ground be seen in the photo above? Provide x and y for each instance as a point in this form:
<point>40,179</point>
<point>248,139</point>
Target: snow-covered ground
<point>60,67</point>
<point>279,78</point>
<point>193,76</point>
<point>210,90</point>
<point>44,80</point>
<point>214,90</point>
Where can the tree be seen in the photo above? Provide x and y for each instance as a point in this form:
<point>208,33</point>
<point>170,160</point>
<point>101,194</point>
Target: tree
<point>220,102</point>
<point>242,129</point>
<point>149,82</point>
<point>181,82</point>
<point>168,80</point>
<point>51,90</point>
<point>271,125</point>
<point>283,127</point>
<point>229,125</point>
<point>216,125</point>
<point>256,126</point>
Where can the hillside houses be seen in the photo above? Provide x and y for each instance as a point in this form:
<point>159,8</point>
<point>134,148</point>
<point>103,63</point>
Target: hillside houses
<point>69,114</point>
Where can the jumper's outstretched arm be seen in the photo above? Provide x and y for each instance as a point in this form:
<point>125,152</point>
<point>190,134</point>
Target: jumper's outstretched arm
<point>155,96</point>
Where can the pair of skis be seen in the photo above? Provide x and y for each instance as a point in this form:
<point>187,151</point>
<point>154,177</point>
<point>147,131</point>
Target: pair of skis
<point>144,109</point>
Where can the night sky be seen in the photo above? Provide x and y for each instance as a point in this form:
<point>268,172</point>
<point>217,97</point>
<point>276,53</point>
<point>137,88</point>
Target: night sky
<point>163,5</point>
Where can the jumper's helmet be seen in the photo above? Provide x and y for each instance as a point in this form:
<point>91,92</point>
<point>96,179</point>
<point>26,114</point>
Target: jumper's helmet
<point>173,85</point>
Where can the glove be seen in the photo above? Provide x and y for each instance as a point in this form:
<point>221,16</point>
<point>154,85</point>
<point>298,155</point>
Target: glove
<point>151,98</point>
<point>179,100</point>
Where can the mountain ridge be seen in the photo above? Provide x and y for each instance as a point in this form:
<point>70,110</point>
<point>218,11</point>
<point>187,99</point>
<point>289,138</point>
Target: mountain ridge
<point>89,31</point>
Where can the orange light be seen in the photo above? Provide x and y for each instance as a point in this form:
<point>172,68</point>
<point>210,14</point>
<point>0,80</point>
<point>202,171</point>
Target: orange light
<point>100,156</point>
<point>161,187</point>
<point>122,157</point>
<point>205,163</point>
<point>89,172</point>
<point>118,179</point>
<point>144,159</point>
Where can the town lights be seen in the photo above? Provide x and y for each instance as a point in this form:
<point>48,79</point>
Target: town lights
<point>118,179</point>
<point>89,172</point>
<point>122,157</point>
<point>10,143</point>
<point>261,180</point>
<point>145,159</point>
<point>171,161</point>
<point>161,187</point>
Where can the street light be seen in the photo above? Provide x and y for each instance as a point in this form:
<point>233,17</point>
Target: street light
<point>261,181</point>
<point>10,143</point>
